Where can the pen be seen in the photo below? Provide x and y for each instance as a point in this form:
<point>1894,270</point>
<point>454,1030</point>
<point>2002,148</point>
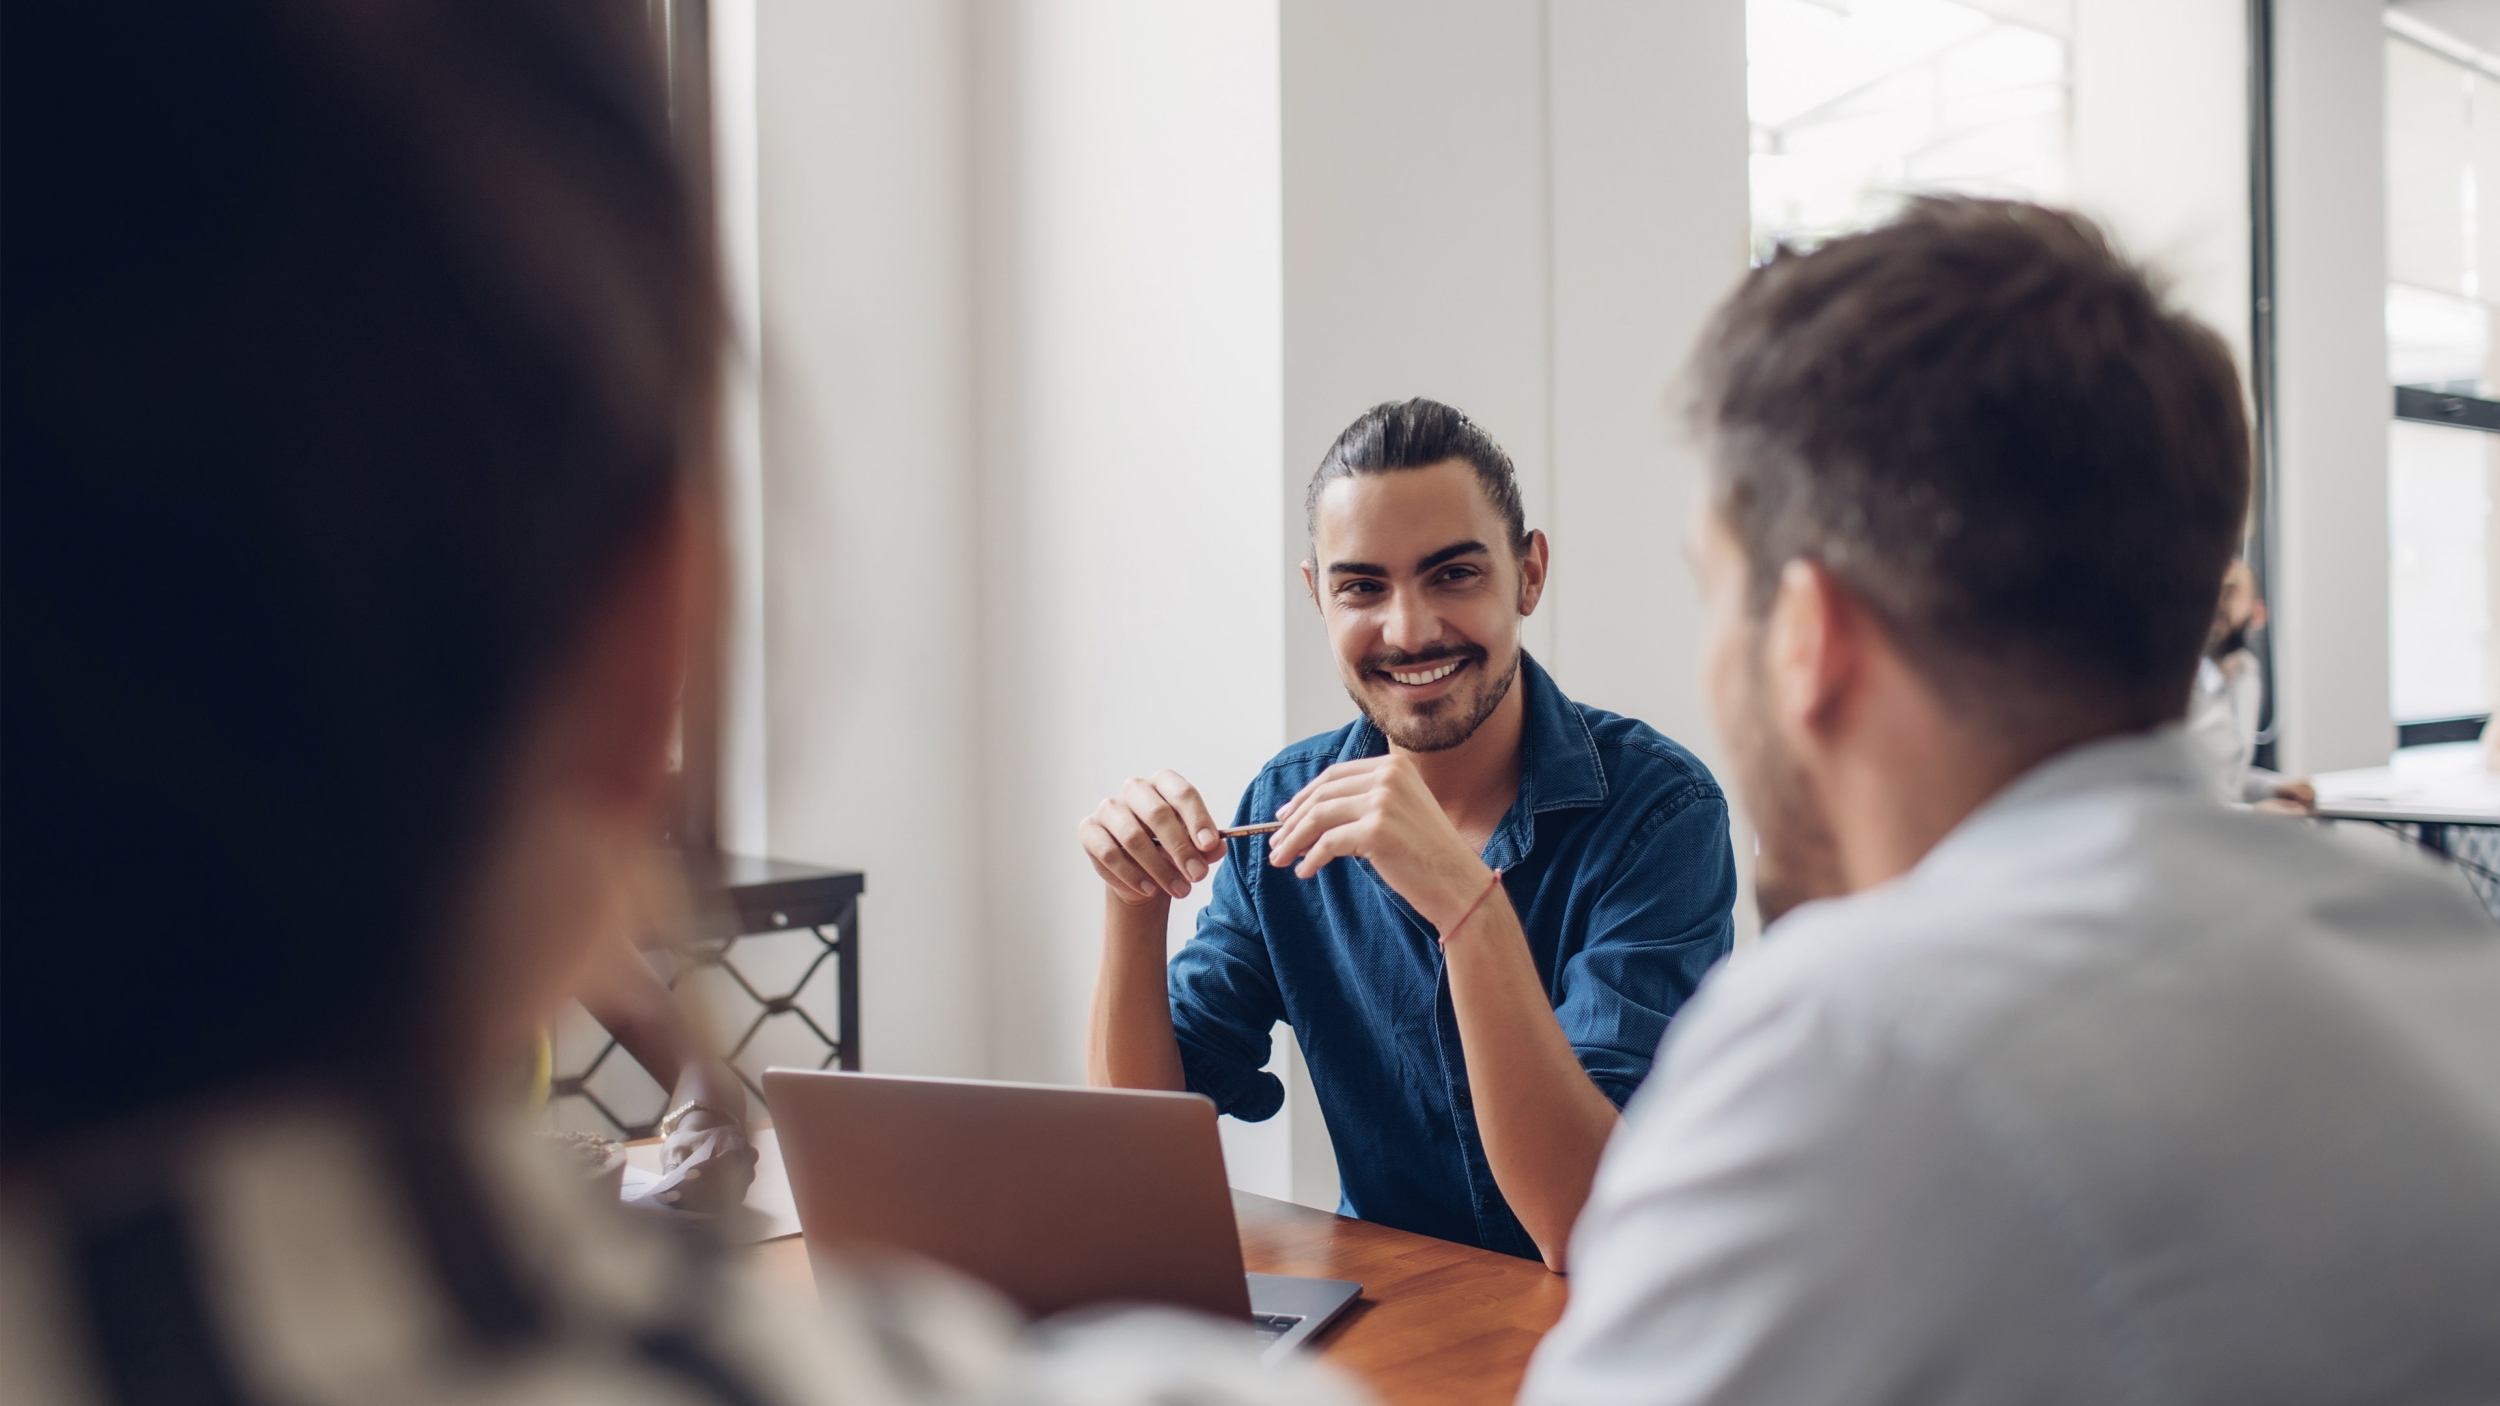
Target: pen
<point>1235,832</point>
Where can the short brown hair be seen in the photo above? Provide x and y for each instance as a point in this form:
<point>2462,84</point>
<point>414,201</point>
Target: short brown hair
<point>1990,425</point>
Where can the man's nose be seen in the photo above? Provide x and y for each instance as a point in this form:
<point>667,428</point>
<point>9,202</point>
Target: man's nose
<point>1412,625</point>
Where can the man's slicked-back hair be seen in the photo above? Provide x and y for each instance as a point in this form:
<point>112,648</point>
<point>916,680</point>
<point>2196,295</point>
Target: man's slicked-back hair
<point>1987,423</point>
<point>1416,434</point>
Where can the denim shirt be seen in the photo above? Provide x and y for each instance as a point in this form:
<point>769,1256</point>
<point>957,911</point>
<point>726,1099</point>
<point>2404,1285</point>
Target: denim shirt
<point>1616,857</point>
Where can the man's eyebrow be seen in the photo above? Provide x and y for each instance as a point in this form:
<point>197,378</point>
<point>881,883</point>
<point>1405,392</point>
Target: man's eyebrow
<point>1451,553</point>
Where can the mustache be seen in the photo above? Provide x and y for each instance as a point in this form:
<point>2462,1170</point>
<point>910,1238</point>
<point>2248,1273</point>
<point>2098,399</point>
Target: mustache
<point>1388,659</point>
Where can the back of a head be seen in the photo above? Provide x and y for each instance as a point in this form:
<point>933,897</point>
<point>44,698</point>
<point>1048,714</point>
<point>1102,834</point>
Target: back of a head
<point>350,349</point>
<point>1987,422</point>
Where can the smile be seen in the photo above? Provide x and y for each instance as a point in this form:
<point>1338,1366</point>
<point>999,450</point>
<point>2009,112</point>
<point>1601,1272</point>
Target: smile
<point>1434,675</point>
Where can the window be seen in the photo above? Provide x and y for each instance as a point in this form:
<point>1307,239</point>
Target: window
<point>2443,295</point>
<point>1856,103</point>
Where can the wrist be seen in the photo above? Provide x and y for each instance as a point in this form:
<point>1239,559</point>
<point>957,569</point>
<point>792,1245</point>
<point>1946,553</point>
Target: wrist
<point>694,1117</point>
<point>1135,922</point>
<point>1457,890</point>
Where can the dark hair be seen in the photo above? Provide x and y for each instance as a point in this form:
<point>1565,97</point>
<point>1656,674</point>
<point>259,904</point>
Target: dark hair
<point>1416,434</point>
<point>1987,422</point>
<point>350,350</point>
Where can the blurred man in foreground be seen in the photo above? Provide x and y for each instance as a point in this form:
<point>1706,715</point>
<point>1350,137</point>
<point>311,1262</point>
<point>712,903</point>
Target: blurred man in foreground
<point>2051,1080</point>
<point>356,358</point>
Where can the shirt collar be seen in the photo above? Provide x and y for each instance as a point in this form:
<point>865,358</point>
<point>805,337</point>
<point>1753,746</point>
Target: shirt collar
<point>1559,768</point>
<point>2163,760</point>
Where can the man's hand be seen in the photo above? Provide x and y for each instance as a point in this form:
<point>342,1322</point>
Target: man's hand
<point>1380,809</point>
<point>1153,840</point>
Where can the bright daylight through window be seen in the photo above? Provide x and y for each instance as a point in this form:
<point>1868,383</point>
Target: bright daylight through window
<point>2443,294</point>
<point>1856,103</point>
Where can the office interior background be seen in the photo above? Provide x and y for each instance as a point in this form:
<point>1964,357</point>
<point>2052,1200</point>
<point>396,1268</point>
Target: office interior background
<point>1047,309</point>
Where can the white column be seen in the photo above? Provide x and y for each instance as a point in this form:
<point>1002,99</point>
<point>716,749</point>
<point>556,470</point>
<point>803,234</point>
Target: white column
<point>1649,222</point>
<point>745,786</point>
<point>2330,241</point>
<point>871,571</point>
<point>1129,366</point>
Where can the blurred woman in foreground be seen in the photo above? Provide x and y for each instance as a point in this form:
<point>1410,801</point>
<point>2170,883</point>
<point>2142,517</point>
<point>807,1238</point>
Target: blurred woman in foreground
<point>355,356</point>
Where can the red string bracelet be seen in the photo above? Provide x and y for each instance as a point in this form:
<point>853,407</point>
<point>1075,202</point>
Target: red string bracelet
<point>1471,908</point>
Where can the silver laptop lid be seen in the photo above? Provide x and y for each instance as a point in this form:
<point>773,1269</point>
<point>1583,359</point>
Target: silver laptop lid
<point>1057,1197</point>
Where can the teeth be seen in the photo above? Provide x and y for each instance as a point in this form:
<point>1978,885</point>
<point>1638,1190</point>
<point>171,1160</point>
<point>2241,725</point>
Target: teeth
<point>1428,676</point>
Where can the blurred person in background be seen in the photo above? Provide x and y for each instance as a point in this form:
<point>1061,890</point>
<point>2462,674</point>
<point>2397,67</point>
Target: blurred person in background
<point>360,363</point>
<point>2050,1080</point>
<point>703,1131</point>
<point>2230,697</point>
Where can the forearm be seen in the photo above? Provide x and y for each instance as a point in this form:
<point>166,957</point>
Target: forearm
<point>1130,1044</point>
<point>712,1084</point>
<point>631,1004</point>
<point>1544,1122</point>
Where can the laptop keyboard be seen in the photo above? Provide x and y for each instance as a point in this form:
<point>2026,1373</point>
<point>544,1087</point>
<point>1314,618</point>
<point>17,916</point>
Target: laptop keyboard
<point>1271,1326</point>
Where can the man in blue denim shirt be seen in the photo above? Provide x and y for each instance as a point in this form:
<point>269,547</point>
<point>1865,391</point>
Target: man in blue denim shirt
<point>1530,887</point>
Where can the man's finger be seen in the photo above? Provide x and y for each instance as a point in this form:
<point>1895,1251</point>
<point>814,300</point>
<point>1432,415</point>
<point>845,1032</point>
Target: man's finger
<point>1195,817</point>
<point>1113,863</point>
<point>1169,829</point>
<point>1311,824</point>
<point>1338,843</point>
<point>1138,843</point>
<point>1330,778</point>
<point>1326,787</point>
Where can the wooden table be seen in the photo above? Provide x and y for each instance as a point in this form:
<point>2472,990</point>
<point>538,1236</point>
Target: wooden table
<point>1438,1323</point>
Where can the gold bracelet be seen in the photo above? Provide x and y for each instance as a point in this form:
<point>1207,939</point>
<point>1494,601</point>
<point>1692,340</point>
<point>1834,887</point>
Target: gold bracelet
<point>1472,907</point>
<point>667,1127</point>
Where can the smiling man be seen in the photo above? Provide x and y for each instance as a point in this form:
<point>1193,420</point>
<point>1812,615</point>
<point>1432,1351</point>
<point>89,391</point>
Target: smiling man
<point>1529,887</point>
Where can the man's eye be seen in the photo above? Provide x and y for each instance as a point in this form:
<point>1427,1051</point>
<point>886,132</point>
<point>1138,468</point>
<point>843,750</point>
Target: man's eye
<point>1459,575</point>
<point>1359,588</point>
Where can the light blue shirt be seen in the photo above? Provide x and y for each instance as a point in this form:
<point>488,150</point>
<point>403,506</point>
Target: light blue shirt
<point>2118,1096</point>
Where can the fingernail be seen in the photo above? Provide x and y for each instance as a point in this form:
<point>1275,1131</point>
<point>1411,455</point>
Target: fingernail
<point>1197,871</point>
<point>1206,837</point>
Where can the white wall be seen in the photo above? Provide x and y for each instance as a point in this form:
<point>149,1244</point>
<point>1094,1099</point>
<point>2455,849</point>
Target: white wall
<point>2161,144</point>
<point>1129,415</point>
<point>1649,220</point>
<point>2330,239</point>
<point>872,618</point>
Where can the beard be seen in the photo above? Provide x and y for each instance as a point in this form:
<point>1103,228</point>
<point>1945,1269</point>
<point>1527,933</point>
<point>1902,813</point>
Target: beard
<point>1798,861</point>
<point>1446,721</point>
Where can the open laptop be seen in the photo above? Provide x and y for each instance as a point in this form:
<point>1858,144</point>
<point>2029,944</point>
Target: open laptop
<point>1056,1197</point>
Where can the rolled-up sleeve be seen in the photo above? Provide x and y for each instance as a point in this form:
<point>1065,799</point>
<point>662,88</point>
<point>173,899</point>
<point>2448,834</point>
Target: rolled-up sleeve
<point>1660,924</point>
<point>1225,1000</point>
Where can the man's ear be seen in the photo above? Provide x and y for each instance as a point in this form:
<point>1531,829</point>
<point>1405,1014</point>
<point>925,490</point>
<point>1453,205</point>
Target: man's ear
<point>1532,563</point>
<point>1814,649</point>
<point>1310,583</point>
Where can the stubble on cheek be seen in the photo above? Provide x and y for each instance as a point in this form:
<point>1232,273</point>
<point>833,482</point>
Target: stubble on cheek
<point>1797,860</point>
